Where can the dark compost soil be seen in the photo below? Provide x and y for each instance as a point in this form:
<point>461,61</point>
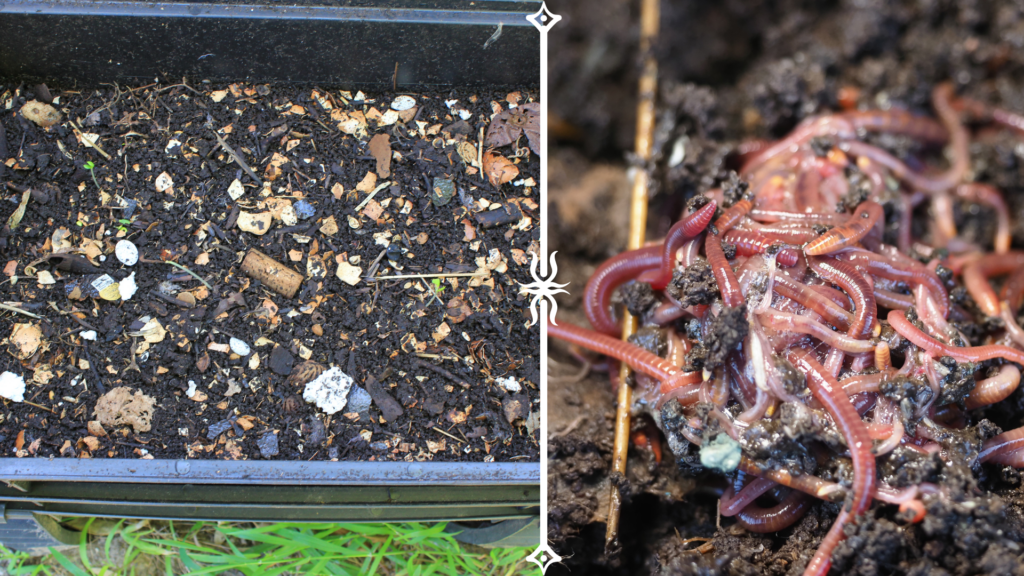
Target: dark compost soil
<point>732,71</point>
<point>428,351</point>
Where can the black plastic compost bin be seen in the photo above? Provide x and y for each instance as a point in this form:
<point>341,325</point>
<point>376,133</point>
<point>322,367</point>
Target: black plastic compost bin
<point>405,44</point>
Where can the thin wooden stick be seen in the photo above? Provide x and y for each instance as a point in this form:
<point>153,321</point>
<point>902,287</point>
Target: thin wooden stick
<point>438,275</point>
<point>649,22</point>
<point>235,156</point>
<point>194,275</point>
<point>436,429</point>
<point>94,145</point>
<point>434,356</point>
<point>372,194</point>
<point>20,311</point>
<point>40,406</point>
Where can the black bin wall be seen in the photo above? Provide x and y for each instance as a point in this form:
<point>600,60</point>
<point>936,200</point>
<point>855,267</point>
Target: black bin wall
<point>378,45</point>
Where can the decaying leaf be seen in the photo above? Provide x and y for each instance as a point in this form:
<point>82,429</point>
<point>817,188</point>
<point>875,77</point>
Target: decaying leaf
<point>458,310</point>
<point>507,126</point>
<point>304,373</point>
<point>19,212</point>
<point>329,226</point>
<point>257,224</point>
<point>25,340</point>
<point>152,331</point>
<point>380,147</point>
<point>40,113</point>
<point>368,183</point>
<point>498,169</point>
<point>90,443</point>
<point>273,169</point>
<point>96,429</point>
<point>442,332</point>
<point>120,408</point>
<point>348,273</point>
<point>467,152</point>
<point>203,363</point>
<point>164,183</point>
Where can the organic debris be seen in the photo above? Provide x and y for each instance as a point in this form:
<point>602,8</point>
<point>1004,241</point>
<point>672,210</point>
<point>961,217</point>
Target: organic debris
<point>120,408</point>
<point>272,230</point>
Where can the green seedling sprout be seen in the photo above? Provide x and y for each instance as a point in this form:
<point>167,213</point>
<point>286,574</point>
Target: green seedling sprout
<point>90,167</point>
<point>437,285</point>
<point>123,225</point>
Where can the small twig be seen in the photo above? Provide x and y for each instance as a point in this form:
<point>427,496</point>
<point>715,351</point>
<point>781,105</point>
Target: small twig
<point>643,145</point>
<point>438,275</point>
<point>95,372</point>
<point>236,156</point>
<point>182,85</point>
<point>456,438</point>
<point>83,323</point>
<point>180,267</point>
<point>171,299</point>
<point>86,142</point>
<point>480,154</point>
<point>433,293</point>
<point>372,194</point>
<point>133,364</point>
<point>40,406</point>
<point>444,373</point>
<point>422,355</point>
<point>20,311</point>
<point>373,265</point>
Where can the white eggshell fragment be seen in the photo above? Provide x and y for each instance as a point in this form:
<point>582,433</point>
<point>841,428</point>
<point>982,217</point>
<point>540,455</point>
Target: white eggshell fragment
<point>127,287</point>
<point>126,252</point>
<point>403,103</point>
<point>239,347</point>
<point>235,190</point>
<point>12,387</point>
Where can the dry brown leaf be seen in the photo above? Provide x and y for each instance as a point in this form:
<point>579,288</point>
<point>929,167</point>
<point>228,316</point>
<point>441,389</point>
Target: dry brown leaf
<point>273,169</point>
<point>380,148</point>
<point>329,226</point>
<point>25,340</point>
<point>467,152</point>
<point>373,210</point>
<point>458,310</point>
<point>203,259</point>
<point>90,443</point>
<point>470,230</point>
<point>203,363</point>
<point>368,183</point>
<point>498,169</point>
<point>507,126</point>
<point>442,332</point>
<point>96,429</point>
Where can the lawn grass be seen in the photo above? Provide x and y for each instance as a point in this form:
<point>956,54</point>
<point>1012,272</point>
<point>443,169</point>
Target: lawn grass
<point>151,548</point>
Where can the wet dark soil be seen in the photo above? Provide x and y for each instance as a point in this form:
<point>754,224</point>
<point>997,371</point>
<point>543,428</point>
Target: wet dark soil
<point>428,351</point>
<point>732,71</point>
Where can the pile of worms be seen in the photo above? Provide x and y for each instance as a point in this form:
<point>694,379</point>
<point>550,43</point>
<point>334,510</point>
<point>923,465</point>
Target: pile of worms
<point>797,288</point>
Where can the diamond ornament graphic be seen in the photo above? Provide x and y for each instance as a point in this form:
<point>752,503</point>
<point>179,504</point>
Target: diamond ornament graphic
<point>544,557</point>
<point>544,19</point>
<point>543,288</point>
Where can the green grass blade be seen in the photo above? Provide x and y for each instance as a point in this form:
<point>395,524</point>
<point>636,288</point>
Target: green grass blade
<point>67,564</point>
